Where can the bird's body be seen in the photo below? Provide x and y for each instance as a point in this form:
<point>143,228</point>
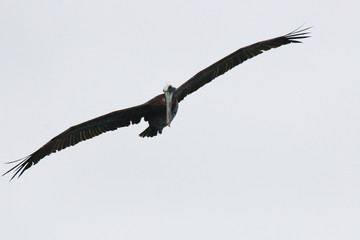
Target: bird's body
<point>160,110</point>
<point>158,121</point>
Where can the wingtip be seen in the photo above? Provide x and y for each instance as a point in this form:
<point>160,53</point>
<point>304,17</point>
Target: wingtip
<point>298,33</point>
<point>19,168</point>
<point>300,29</point>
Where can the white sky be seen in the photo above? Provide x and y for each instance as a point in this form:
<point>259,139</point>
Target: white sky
<point>270,150</point>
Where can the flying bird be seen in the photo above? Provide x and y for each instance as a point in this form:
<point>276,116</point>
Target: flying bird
<point>158,111</point>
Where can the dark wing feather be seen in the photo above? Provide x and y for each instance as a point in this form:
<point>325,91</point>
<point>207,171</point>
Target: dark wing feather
<point>82,132</point>
<point>236,58</point>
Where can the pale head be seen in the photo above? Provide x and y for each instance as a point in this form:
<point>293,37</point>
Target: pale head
<point>167,86</point>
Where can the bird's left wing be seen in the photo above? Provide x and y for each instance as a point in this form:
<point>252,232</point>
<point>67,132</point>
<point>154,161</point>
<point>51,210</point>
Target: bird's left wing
<point>220,67</point>
<point>82,132</point>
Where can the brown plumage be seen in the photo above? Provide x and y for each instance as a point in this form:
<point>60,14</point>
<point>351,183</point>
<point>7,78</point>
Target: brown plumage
<point>153,111</point>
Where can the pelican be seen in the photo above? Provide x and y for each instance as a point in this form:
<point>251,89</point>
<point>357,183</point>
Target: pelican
<point>160,110</point>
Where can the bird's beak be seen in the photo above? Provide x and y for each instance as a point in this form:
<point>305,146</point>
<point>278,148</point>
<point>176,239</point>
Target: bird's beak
<point>168,99</point>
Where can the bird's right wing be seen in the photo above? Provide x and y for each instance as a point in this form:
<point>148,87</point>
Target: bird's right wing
<point>220,67</point>
<point>82,132</point>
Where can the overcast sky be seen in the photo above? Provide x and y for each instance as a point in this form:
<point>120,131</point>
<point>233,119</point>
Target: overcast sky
<point>270,150</point>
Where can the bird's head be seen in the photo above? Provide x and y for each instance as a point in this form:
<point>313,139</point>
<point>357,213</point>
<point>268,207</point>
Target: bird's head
<point>169,92</point>
<point>168,88</point>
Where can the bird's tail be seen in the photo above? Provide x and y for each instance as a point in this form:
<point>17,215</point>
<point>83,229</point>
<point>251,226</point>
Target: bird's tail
<point>149,132</point>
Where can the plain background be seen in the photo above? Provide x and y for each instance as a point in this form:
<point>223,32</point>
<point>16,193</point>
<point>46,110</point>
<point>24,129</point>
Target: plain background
<point>270,150</point>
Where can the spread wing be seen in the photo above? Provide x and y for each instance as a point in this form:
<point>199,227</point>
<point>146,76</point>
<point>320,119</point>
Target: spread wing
<point>236,58</point>
<point>82,132</point>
